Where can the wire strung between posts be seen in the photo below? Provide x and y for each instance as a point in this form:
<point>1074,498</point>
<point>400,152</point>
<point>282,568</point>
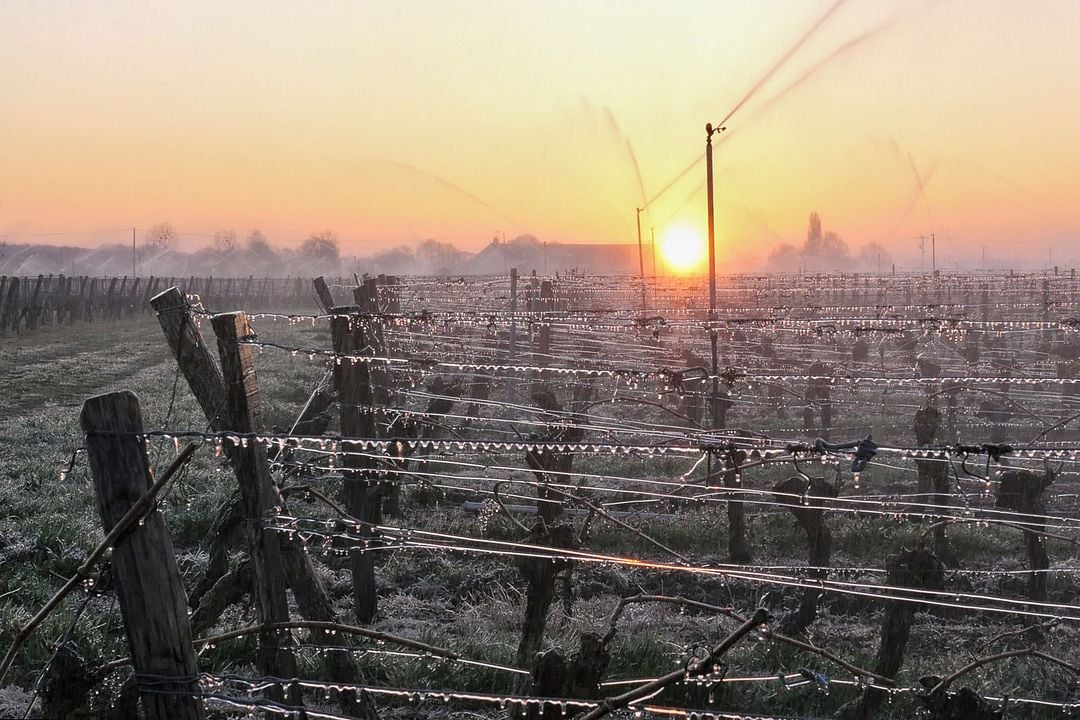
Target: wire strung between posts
<point>765,448</point>
<point>729,376</point>
<point>217,685</point>
<point>337,531</point>
<point>894,509</point>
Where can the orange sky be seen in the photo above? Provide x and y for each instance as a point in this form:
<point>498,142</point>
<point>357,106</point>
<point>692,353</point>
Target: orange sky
<point>394,122</point>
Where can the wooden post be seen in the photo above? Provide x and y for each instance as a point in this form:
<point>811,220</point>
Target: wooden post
<point>3,298</point>
<point>10,318</point>
<point>257,496</point>
<point>192,355</point>
<point>118,308</point>
<point>33,310</point>
<point>71,301</point>
<point>264,298</point>
<point>326,299</point>
<point>148,583</point>
<point>61,299</point>
<point>110,296</point>
<point>151,286</point>
<point>542,337</point>
<point>209,389</point>
<point>133,301</point>
<point>352,385</point>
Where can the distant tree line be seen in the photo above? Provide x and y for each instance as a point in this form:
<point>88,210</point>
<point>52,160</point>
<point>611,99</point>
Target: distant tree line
<point>827,252</point>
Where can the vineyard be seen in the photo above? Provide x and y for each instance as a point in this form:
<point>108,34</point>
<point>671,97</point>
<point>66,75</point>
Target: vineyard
<point>543,497</point>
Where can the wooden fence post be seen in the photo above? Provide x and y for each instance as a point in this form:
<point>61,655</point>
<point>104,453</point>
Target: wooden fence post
<point>133,301</point>
<point>326,299</point>
<point>542,336</point>
<point>33,309</point>
<point>192,355</point>
<point>151,286</point>
<point>62,299</point>
<point>118,306</point>
<point>4,281</point>
<point>110,298</point>
<point>148,583</point>
<point>10,318</point>
<point>257,497</point>
<point>362,500</point>
<point>209,389</point>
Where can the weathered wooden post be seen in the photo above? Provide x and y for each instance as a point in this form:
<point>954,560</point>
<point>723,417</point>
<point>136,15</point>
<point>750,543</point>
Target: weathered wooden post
<point>151,287</point>
<point>108,308</point>
<point>118,307</point>
<point>257,495</point>
<point>314,603</point>
<point>542,337</point>
<point>374,333</point>
<point>10,318</point>
<point>148,584</point>
<point>322,291</point>
<point>511,353</point>
<point>362,498</point>
<point>192,355</point>
<point>133,302</point>
<point>33,310</point>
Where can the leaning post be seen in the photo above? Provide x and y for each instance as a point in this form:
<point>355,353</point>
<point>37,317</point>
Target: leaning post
<point>148,584</point>
<point>257,495</point>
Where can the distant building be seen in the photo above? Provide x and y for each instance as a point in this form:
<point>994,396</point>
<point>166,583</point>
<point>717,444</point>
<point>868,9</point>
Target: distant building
<point>591,258</point>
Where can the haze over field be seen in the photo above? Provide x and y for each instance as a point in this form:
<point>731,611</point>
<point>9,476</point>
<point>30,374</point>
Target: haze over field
<point>394,123</point>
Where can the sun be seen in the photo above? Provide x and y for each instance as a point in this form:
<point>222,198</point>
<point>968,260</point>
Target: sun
<point>682,249</point>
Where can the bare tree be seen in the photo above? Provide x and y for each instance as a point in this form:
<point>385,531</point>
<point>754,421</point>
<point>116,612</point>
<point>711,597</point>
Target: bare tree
<point>324,246</point>
<point>226,241</point>
<point>160,237</point>
<point>258,244</point>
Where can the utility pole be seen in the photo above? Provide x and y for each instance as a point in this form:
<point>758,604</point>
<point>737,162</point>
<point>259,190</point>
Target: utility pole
<point>709,130</point>
<point>641,261</point>
<point>652,247</point>
<point>132,253</point>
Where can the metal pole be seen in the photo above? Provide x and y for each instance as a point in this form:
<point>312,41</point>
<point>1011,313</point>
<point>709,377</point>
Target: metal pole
<point>641,261</point>
<point>652,248</point>
<point>133,253</point>
<point>714,410</point>
<point>712,235</point>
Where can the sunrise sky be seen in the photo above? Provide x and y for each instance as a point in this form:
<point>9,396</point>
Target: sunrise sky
<point>391,122</point>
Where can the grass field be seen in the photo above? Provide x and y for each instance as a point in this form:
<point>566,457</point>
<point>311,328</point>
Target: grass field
<point>473,604</point>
